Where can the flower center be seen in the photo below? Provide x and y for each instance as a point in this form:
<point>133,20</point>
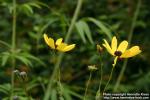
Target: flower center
<point>118,53</point>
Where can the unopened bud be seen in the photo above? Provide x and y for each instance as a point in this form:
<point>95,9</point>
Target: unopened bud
<point>23,75</point>
<point>99,48</point>
<point>17,73</point>
<point>92,67</point>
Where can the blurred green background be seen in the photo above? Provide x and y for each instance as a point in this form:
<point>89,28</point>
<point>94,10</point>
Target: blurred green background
<point>98,19</point>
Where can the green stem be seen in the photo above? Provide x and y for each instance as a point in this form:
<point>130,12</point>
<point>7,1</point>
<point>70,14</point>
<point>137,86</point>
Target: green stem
<point>87,85</point>
<point>101,73</point>
<point>59,87</point>
<point>12,78</point>
<point>109,79</point>
<point>75,16</point>
<point>14,26</point>
<point>13,48</point>
<point>129,40</point>
<point>98,93</point>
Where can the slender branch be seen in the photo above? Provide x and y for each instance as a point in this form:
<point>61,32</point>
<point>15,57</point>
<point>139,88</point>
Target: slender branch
<point>75,16</point>
<point>129,40</point>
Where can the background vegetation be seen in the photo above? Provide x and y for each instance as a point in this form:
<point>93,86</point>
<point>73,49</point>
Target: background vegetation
<point>97,19</point>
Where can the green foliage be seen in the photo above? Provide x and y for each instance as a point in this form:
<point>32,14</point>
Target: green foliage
<point>5,88</point>
<point>24,57</point>
<point>84,30</point>
<point>97,20</point>
<point>101,26</point>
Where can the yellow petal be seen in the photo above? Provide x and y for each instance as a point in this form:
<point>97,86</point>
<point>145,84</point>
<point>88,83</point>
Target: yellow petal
<point>61,46</point>
<point>46,38</point>
<point>123,46</point>
<point>69,47</point>
<point>59,41</point>
<point>114,44</point>
<point>106,45</point>
<point>115,61</point>
<point>49,41</point>
<point>131,52</point>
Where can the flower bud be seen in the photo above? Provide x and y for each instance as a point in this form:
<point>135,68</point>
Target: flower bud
<point>17,73</point>
<point>92,67</point>
<point>23,75</point>
<point>99,48</point>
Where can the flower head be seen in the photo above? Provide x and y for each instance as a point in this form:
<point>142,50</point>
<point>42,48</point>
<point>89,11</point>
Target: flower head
<point>58,45</point>
<point>121,51</point>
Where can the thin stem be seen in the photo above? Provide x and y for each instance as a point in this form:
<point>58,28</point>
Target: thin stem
<point>75,16</point>
<point>87,85</point>
<point>48,91</point>
<point>14,26</point>
<point>100,82</point>
<point>13,48</point>
<point>110,77</point>
<point>129,40</point>
<point>101,73</point>
<point>12,78</point>
<point>59,75</point>
<point>59,87</point>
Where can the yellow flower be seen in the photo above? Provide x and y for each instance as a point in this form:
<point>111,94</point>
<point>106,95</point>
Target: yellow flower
<point>58,45</point>
<point>121,51</point>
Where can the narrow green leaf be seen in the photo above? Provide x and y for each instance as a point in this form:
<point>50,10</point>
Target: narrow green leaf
<point>5,43</point>
<point>5,88</point>
<point>75,94</point>
<point>41,4</point>
<point>87,31</point>
<point>84,31</point>
<point>29,56</point>
<point>79,27</point>
<point>35,5</point>
<point>33,35</point>
<point>5,59</point>
<point>66,94</point>
<point>102,27</point>
<point>24,60</point>
<point>27,8</point>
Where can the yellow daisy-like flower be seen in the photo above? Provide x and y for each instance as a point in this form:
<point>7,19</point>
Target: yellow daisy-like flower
<point>121,51</point>
<point>58,45</point>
